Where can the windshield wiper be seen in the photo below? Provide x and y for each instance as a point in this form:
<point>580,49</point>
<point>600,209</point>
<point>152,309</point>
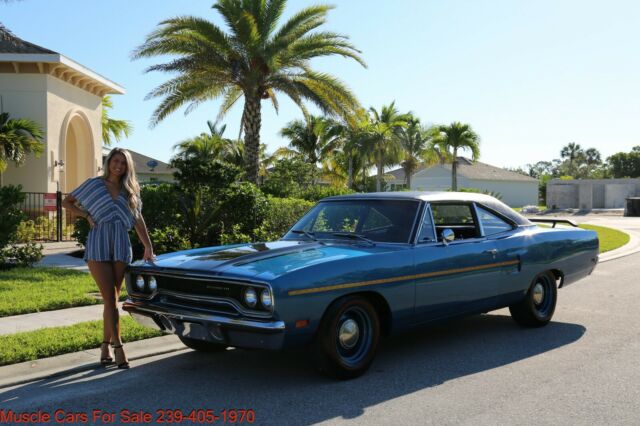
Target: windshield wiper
<point>307,234</point>
<point>353,236</point>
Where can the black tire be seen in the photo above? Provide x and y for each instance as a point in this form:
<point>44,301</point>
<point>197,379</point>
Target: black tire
<point>538,306</point>
<point>350,356</point>
<point>202,345</point>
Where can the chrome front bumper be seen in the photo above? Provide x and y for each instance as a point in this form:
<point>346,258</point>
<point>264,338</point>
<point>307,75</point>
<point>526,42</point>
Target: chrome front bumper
<point>242,333</point>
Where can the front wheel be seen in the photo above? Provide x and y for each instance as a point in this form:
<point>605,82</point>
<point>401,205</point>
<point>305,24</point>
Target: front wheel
<point>538,306</point>
<point>348,338</point>
<point>202,345</point>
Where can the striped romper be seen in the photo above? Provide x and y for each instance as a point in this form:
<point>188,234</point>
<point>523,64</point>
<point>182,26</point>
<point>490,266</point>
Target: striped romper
<point>109,239</point>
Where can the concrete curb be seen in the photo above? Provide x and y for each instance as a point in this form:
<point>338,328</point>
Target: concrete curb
<point>68,364</point>
<point>632,247</point>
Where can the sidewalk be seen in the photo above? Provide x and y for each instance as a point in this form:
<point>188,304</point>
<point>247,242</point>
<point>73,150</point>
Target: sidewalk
<point>67,364</point>
<point>62,317</point>
<point>57,254</point>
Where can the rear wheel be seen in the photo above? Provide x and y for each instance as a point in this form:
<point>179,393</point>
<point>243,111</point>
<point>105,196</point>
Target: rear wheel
<point>538,306</point>
<point>348,338</point>
<point>202,346</point>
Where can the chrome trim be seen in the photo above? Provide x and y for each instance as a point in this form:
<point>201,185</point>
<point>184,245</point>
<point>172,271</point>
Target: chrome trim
<point>223,300</point>
<point>272,326</point>
<point>427,209</point>
<point>202,277</point>
<point>475,211</point>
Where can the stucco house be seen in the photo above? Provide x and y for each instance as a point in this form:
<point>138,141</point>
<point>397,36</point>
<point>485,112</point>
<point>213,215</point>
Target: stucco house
<point>65,98</point>
<point>516,190</point>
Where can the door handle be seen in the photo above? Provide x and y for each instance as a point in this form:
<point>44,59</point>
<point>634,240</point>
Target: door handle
<point>492,252</point>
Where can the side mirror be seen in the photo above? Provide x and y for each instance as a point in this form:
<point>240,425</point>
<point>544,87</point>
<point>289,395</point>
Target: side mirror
<point>448,236</point>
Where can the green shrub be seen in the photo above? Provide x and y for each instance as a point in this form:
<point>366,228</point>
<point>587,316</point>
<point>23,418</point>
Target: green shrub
<point>21,255</point>
<point>10,213</point>
<point>81,231</point>
<point>168,239</point>
<point>282,213</point>
<point>26,231</point>
<point>160,205</point>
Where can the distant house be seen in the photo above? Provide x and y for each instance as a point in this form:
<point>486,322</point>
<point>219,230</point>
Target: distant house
<point>65,98</point>
<point>148,170</point>
<point>515,189</point>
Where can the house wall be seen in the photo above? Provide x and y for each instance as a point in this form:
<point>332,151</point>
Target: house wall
<point>24,96</point>
<point>589,194</point>
<point>63,111</point>
<point>75,114</point>
<point>513,193</point>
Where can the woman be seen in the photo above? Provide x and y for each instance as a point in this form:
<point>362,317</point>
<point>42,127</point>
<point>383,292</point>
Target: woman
<point>112,206</point>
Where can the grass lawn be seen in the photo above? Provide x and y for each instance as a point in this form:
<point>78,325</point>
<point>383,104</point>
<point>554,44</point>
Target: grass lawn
<point>610,239</point>
<point>53,341</point>
<point>26,290</point>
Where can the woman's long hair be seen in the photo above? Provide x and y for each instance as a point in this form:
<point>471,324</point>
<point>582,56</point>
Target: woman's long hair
<point>129,180</point>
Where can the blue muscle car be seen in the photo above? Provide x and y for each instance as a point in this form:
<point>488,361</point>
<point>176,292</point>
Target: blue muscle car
<point>360,266</point>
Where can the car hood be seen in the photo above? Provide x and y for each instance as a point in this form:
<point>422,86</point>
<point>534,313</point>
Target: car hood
<point>269,259</point>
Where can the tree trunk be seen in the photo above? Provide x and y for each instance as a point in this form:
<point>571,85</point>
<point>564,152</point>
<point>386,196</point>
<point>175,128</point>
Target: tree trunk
<point>454,171</point>
<point>350,180</point>
<point>252,119</point>
<point>408,178</point>
<point>379,177</point>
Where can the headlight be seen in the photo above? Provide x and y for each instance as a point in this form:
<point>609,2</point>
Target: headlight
<point>153,285</point>
<point>140,283</point>
<point>265,298</point>
<point>250,297</point>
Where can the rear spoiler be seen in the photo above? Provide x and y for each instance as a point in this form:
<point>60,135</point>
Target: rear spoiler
<point>554,221</point>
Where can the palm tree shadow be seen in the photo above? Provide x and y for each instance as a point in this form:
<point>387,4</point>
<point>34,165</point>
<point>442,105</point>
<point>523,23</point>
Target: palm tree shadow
<point>281,385</point>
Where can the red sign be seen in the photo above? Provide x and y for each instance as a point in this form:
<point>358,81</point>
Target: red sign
<point>50,202</point>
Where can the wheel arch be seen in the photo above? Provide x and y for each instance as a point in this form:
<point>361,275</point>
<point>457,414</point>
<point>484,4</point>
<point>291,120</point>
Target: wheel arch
<point>559,276</point>
<point>379,303</point>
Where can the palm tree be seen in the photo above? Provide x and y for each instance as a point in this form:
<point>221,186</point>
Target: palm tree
<point>112,128</point>
<point>593,157</point>
<point>18,138</point>
<point>457,136</point>
<point>416,148</point>
<point>309,139</point>
<point>255,59</point>
<point>383,137</point>
<point>572,151</point>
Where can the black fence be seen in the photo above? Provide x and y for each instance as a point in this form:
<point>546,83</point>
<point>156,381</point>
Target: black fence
<point>46,220</point>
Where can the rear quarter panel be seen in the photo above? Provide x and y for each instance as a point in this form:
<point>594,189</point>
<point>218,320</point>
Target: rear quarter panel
<point>572,252</point>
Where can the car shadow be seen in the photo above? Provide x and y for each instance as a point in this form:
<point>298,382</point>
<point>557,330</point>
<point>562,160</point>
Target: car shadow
<point>281,387</point>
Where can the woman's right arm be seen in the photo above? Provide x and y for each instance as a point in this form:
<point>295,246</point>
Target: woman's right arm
<point>69,203</point>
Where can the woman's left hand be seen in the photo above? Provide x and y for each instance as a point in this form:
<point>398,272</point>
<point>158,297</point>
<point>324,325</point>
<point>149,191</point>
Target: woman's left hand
<point>148,255</point>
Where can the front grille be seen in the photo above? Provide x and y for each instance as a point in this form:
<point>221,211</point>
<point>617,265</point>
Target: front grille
<point>197,303</point>
<point>202,287</point>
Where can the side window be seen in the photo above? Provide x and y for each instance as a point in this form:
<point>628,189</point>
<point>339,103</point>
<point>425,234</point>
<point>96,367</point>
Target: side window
<point>457,217</point>
<point>427,232</point>
<point>492,224</point>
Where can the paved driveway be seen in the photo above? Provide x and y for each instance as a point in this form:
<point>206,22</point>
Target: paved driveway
<point>581,369</point>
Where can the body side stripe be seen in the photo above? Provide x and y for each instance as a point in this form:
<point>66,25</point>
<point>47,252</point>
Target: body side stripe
<point>402,278</point>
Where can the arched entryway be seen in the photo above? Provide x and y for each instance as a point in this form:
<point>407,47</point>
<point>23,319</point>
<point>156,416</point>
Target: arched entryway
<point>76,152</point>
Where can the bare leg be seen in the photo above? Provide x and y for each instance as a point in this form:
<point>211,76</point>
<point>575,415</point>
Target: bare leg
<point>102,273</point>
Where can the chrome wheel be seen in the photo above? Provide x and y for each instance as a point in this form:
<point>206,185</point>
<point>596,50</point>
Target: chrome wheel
<point>354,335</point>
<point>538,294</point>
<point>349,334</point>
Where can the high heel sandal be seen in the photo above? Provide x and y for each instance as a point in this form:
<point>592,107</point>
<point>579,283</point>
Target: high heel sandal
<point>107,360</point>
<point>124,364</point>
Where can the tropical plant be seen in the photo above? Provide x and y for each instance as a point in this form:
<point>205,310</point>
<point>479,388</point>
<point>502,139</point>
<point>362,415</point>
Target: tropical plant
<point>452,138</point>
<point>350,154</point>
<point>18,138</point>
<point>571,152</point>
<point>112,128</point>
<point>417,148</point>
<point>383,137</point>
<point>309,139</point>
<point>255,59</point>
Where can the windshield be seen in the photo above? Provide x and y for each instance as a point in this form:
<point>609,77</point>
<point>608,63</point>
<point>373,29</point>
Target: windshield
<point>388,221</point>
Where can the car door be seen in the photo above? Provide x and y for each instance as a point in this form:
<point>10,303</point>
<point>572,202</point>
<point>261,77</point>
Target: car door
<point>456,277</point>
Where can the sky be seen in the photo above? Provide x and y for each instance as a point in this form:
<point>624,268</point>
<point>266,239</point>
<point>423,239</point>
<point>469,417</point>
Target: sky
<point>528,76</point>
